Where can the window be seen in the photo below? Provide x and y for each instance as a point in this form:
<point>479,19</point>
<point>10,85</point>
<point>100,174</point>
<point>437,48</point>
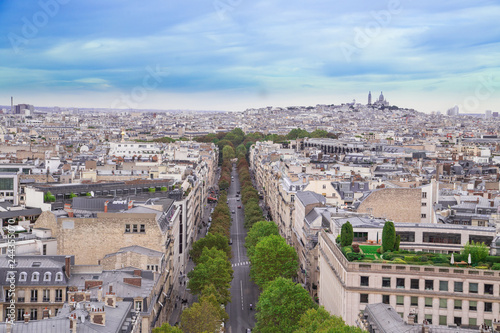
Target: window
<point>488,306</point>
<point>23,276</point>
<point>20,295</point>
<point>138,305</point>
<point>147,267</point>
<point>34,295</point>
<point>34,314</point>
<point>429,284</point>
<point>458,304</point>
<point>363,298</point>
<point>443,285</point>
<point>156,268</point>
<point>459,287</point>
<point>364,281</point>
<point>59,276</point>
<point>134,228</point>
<point>488,289</point>
<point>47,276</point>
<point>414,301</point>
<point>35,276</point>
<point>473,288</point>
<point>428,319</point>
<point>457,321</point>
<point>424,204</point>
<point>400,283</point>
<point>443,320</point>
<point>324,186</point>
<point>143,228</point>
<point>428,302</point>
<point>487,322</point>
<point>127,227</point>
<point>423,216</point>
<point>20,314</point>
<point>386,282</point>
<point>424,195</point>
<point>400,300</point>
<point>59,295</point>
<point>443,303</point>
<point>46,295</point>
<point>414,284</point>
<point>385,299</point>
<point>472,321</point>
<point>472,305</point>
<point>44,249</point>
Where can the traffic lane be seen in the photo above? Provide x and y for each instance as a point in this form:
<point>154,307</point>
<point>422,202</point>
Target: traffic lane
<point>240,315</point>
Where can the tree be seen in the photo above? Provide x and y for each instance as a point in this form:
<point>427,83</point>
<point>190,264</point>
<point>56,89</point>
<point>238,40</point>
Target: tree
<point>297,133</point>
<point>280,306</point>
<point>396,244</point>
<point>204,316</point>
<point>49,197</point>
<point>166,328</point>
<point>319,320</point>
<point>213,268</point>
<point>478,252</point>
<point>346,234</point>
<point>241,149</point>
<point>210,241</point>
<point>258,231</point>
<point>273,258</point>
<point>388,236</point>
<point>227,153</point>
<point>319,134</point>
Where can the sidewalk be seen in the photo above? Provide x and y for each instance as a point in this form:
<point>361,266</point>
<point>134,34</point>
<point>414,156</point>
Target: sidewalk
<point>182,293</point>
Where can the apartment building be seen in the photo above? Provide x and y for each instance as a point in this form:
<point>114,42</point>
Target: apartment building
<point>439,295</point>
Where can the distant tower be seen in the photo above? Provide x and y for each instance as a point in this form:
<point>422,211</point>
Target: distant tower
<point>370,98</point>
<point>123,135</point>
<point>11,104</point>
<point>381,97</point>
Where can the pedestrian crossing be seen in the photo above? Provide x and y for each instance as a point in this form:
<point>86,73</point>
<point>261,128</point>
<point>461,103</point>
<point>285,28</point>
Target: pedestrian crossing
<point>243,263</point>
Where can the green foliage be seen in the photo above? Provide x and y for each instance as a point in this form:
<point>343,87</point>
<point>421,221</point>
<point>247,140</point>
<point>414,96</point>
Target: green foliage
<point>320,321</point>
<point>272,258</point>
<point>151,190</point>
<point>397,243</point>
<point>241,149</point>
<point>496,267</point>
<point>297,133</point>
<point>478,252</point>
<point>72,195</point>
<point>388,236</point>
<point>493,259</point>
<point>258,231</point>
<point>280,307</point>
<point>211,240</point>
<point>49,197</point>
<point>215,269</point>
<point>319,134</point>
<point>228,153</point>
<point>346,234</point>
<point>166,328</point>
<point>204,316</point>
<point>164,189</point>
<point>88,194</point>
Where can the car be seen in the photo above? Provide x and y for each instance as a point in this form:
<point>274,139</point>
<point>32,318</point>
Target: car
<point>249,330</point>
<point>239,207</point>
<point>233,212</point>
<point>230,241</point>
<point>237,199</point>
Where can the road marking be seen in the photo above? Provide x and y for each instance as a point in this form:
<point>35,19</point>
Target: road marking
<point>241,292</point>
<point>243,263</point>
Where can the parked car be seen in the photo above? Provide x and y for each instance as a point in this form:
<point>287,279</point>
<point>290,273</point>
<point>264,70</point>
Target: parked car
<point>239,207</point>
<point>233,212</point>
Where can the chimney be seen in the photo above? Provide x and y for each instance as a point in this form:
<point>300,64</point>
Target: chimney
<point>99,294</point>
<point>130,204</point>
<point>26,317</point>
<point>68,209</point>
<point>45,313</point>
<point>137,272</point>
<point>8,327</point>
<point>72,323</point>
<point>67,266</point>
<point>135,281</point>
<point>106,206</point>
<point>98,316</point>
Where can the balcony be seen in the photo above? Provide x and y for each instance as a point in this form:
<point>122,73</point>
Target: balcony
<point>46,299</point>
<point>34,299</point>
<point>59,299</point>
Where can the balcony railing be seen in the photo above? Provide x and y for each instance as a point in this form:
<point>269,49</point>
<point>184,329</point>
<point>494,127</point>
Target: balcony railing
<point>34,299</point>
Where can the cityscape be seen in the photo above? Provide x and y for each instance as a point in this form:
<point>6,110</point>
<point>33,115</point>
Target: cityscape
<point>249,167</point>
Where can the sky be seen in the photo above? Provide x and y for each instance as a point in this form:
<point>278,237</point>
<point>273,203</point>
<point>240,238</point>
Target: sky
<point>238,54</point>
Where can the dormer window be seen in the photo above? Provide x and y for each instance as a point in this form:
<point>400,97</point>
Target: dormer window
<point>59,276</point>
<point>23,276</point>
<point>35,277</point>
<point>47,276</point>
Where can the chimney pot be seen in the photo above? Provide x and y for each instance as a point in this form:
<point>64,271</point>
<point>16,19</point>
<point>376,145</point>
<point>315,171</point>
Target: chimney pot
<point>67,266</point>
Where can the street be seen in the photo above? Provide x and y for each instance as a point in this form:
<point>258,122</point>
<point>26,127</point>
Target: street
<point>243,291</point>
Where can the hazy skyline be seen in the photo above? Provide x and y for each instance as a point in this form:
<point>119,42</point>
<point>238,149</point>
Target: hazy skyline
<point>238,54</point>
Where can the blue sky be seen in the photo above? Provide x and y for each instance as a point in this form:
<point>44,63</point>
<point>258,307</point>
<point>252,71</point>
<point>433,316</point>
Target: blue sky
<point>238,54</point>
